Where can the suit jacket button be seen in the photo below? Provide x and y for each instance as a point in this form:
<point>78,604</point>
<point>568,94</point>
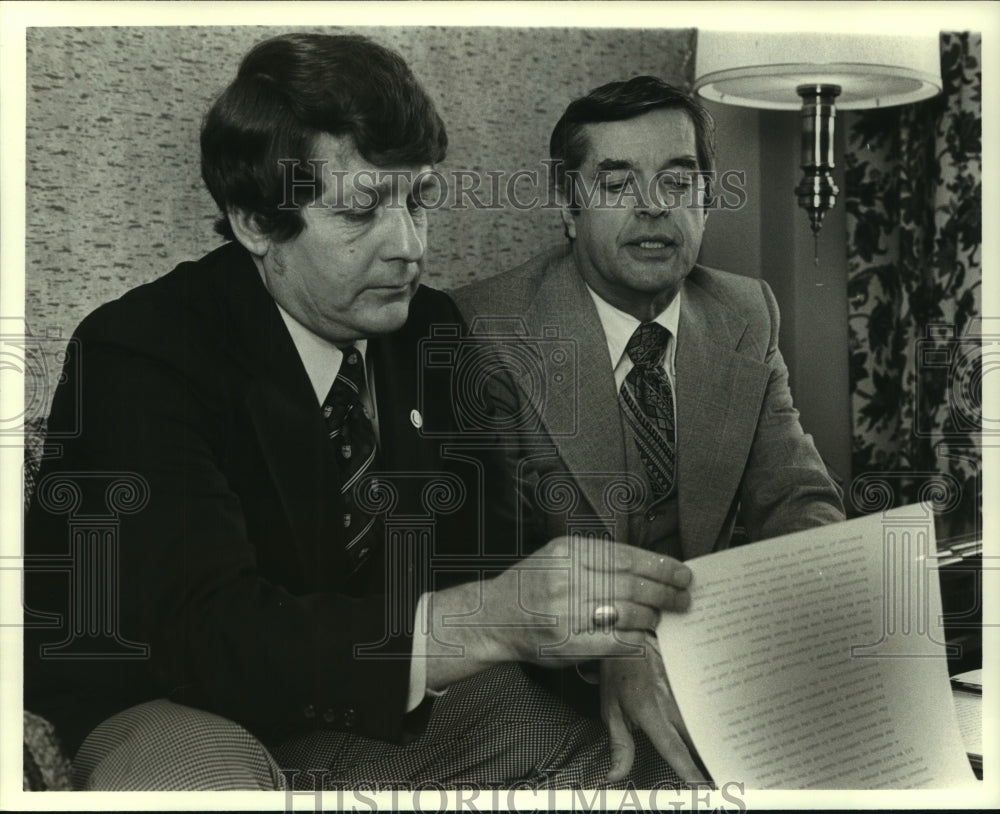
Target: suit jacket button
<point>349,718</point>
<point>309,711</point>
<point>329,716</point>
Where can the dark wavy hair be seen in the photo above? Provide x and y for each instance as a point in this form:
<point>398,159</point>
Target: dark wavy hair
<point>293,88</point>
<point>617,101</point>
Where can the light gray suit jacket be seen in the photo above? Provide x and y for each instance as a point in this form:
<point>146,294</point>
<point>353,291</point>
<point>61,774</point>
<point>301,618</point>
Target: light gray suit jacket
<point>739,445</point>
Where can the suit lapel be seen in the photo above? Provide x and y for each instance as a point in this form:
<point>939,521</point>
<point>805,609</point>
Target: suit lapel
<point>283,409</point>
<point>581,409</point>
<point>719,392</point>
<point>402,447</point>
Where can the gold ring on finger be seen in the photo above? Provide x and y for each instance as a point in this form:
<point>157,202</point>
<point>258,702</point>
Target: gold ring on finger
<point>604,617</point>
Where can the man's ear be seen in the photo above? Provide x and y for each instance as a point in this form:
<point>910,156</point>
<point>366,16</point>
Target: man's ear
<point>248,232</point>
<point>569,222</point>
<point>566,213</point>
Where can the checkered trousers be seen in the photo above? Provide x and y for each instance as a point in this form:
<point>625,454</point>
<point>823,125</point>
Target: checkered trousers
<point>493,730</point>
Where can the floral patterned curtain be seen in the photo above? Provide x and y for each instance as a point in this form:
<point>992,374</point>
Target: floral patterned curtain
<point>914,228</point>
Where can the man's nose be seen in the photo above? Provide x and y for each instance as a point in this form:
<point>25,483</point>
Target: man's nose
<point>650,203</point>
<point>407,239</point>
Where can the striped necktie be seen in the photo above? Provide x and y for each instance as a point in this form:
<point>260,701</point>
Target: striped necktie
<point>355,452</point>
<point>649,406</point>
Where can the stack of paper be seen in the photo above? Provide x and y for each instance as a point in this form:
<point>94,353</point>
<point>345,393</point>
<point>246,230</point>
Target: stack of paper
<point>817,660</point>
<point>967,692</point>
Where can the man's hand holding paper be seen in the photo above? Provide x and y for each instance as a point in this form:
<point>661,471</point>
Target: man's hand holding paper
<point>635,693</point>
<point>572,600</point>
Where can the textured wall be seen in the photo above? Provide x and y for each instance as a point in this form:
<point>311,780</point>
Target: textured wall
<point>114,196</point>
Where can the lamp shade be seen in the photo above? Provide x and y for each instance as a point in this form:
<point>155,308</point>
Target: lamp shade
<point>762,69</point>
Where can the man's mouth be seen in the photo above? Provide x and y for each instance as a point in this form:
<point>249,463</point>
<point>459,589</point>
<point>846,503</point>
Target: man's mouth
<point>403,286</point>
<point>392,289</point>
<point>653,247</point>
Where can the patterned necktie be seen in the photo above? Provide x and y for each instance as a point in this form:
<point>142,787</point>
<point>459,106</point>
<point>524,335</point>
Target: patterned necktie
<point>352,440</point>
<point>649,405</point>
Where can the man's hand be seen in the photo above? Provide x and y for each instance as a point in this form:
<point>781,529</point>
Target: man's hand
<point>634,691</point>
<point>541,609</point>
<point>548,599</point>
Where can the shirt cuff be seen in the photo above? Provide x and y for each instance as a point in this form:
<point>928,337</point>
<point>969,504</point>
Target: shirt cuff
<point>418,660</point>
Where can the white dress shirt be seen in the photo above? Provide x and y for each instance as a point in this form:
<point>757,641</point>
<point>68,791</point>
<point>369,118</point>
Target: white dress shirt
<point>619,327</point>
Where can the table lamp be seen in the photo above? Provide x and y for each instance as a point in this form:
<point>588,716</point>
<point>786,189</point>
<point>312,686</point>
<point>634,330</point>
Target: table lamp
<point>816,73</point>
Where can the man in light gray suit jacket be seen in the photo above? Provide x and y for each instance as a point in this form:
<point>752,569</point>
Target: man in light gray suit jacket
<point>633,176</point>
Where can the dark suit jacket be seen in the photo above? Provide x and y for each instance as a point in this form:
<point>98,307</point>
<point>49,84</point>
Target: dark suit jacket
<point>739,438</point>
<point>233,571</point>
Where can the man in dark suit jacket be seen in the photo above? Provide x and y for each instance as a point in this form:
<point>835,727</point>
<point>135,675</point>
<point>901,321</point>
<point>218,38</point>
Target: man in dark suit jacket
<point>632,161</point>
<point>290,541</point>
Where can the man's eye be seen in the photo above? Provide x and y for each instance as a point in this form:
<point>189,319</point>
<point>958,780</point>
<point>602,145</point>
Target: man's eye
<point>617,184</point>
<point>425,196</point>
<point>675,180</point>
<point>359,214</point>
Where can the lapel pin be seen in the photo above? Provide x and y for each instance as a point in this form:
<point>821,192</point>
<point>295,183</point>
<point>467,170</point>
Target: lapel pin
<point>416,419</point>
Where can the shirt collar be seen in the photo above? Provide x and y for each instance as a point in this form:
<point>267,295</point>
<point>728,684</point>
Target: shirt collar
<point>619,326</point>
<point>320,357</point>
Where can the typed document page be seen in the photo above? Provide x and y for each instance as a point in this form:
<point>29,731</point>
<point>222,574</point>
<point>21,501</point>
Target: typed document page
<point>817,660</point>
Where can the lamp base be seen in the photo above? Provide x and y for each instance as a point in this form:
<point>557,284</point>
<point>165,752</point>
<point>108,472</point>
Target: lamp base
<point>817,192</point>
